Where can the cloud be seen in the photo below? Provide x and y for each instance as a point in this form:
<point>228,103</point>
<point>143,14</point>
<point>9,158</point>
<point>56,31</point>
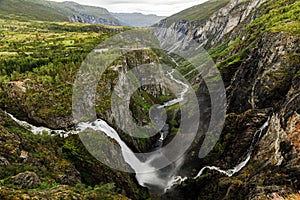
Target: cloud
<point>158,7</point>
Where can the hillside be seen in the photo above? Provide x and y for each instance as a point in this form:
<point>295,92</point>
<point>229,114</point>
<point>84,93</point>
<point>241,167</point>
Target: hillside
<point>48,166</point>
<point>197,13</point>
<point>83,14</point>
<point>27,9</point>
<point>54,11</point>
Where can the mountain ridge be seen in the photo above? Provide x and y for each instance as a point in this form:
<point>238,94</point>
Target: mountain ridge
<point>57,11</point>
<point>71,11</point>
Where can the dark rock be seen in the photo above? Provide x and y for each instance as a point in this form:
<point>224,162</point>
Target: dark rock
<point>4,162</point>
<point>28,180</point>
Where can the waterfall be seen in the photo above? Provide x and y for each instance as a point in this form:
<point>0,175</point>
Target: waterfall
<point>236,169</point>
<point>40,130</point>
<point>153,177</point>
<point>146,174</point>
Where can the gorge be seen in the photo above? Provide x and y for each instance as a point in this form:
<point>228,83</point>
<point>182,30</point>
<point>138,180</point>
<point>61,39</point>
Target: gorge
<point>203,105</point>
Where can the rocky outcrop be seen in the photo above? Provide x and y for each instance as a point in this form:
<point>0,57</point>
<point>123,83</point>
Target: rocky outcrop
<point>36,114</point>
<point>27,180</point>
<point>4,161</point>
<point>89,19</point>
<point>267,74</point>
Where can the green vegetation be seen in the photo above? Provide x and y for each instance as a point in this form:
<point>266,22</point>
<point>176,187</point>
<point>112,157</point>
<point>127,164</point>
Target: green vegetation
<point>64,167</point>
<point>44,57</point>
<point>198,12</point>
<point>53,11</point>
<point>274,16</point>
<point>27,9</point>
<point>277,16</point>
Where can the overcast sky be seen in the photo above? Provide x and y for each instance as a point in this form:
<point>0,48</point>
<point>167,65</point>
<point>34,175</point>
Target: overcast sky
<point>158,7</point>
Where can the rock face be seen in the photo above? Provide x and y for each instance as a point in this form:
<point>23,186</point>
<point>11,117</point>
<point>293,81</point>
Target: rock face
<point>16,91</point>
<point>261,71</point>
<point>89,19</point>
<point>4,161</point>
<point>27,180</point>
<point>211,30</point>
<point>268,71</point>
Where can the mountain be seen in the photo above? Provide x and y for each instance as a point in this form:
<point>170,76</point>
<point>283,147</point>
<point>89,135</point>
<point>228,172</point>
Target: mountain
<point>137,19</point>
<point>83,14</point>
<point>198,12</point>
<point>55,11</point>
<point>29,9</point>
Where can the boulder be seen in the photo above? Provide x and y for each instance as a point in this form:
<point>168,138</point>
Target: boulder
<point>28,180</point>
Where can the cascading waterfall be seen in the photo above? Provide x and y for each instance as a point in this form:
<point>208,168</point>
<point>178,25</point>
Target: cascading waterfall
<point>236,169</point>
<point>154,177</point>
<point>40,130</point>
<point>241,165</point>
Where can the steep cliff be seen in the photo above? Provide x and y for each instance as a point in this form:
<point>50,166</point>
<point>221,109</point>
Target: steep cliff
<point>210,29</point>
<point>256,47</point>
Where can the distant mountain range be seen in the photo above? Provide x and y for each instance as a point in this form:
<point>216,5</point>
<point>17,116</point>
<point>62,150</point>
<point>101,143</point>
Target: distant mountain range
<point>137,19</point>
<point>70,11</point>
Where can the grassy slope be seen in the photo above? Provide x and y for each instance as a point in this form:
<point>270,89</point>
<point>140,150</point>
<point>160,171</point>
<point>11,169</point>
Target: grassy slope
<point>198,12</point>
<point>51,11</point>
<point>30,10</point>
<point>71,8</point>
<point>275,16</point>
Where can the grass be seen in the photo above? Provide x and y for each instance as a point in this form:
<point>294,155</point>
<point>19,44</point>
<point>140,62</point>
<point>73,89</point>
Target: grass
<point>277,16</point>
<point>30,10</point>
<point>198,12</point>
<point>52,11</point>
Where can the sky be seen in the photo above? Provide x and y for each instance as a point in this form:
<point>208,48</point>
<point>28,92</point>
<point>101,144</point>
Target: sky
<point>158,7</point>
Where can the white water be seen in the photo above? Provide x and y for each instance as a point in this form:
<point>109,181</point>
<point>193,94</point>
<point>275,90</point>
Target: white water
<point>40,130</point>
<point>181,98</point>
<point>236,169</point>
<point>146,174</point>
<point>144,179</point>
<point>152,177</point>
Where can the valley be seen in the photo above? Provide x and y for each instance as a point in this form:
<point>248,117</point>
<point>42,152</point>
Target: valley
<point>202,105</point>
